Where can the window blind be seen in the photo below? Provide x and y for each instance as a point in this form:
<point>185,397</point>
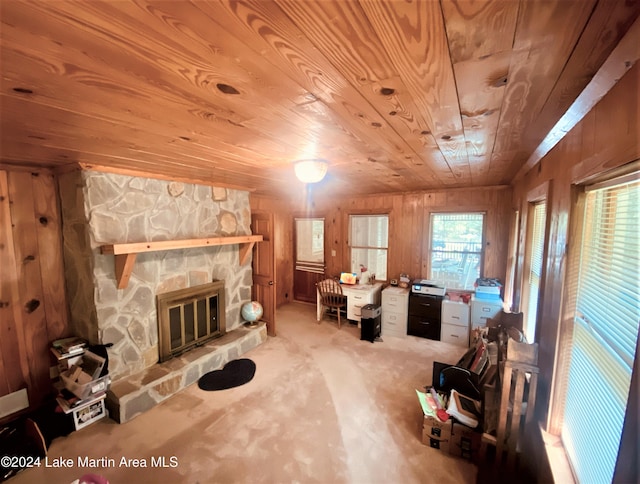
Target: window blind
<point>605,331</point>
<point>535,268</point>
<point>310,240</point>
<point>369,242</point>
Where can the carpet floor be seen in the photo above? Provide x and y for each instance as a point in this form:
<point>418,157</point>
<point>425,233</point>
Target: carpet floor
<point>323,407</point>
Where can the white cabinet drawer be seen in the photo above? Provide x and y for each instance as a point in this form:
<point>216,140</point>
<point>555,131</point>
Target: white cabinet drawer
<point>458,335</point>
<point>454,312</point>
<point>394,324</point>
<point>483,310</point>
<point>395,299</point>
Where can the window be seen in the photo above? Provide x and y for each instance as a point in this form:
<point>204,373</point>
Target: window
<point>456,249</point>
<point>369,242</point>
<point>309,241</point>
<point>534,270</point>
<point>605,330</point>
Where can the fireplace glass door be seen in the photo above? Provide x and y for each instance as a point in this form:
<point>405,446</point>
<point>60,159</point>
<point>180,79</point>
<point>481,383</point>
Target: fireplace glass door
<point>190,317</point>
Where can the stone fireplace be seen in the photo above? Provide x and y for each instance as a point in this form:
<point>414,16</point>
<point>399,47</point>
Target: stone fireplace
<point>102,208</point>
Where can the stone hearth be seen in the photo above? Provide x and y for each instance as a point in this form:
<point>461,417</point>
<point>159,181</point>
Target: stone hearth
<point>135,394</point>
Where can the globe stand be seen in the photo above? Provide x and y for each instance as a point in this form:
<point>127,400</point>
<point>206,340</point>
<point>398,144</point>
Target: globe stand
<point>252,324</point>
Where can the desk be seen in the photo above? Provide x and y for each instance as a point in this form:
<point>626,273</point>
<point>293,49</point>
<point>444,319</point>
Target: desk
<point>358,295</point>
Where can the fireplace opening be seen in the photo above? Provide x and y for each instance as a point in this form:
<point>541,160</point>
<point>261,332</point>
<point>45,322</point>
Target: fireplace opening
<point>190,317</point>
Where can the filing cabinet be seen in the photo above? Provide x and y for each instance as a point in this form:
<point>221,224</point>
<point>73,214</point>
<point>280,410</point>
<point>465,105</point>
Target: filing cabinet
<point>482,309</point>
<point>455,323</point>
<point>395,303</point>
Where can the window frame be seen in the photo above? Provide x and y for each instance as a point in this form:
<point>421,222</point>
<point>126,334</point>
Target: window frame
<point>541,193</point>
<point>369,213</point>
<point>558,401</point>
<point>430,238</point>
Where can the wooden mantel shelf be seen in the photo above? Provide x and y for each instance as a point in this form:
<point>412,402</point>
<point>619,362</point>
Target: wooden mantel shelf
<point>125,254</point>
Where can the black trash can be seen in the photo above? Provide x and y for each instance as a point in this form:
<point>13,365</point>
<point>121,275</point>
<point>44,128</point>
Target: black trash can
<point>370,322</point>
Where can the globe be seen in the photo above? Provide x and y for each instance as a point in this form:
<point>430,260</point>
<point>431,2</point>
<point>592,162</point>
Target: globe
<point>252,311</point>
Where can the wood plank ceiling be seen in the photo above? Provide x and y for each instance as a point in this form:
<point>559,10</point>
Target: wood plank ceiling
<point>396,95</point>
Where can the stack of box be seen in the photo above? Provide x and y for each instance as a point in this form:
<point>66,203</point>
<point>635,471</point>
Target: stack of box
<point>451,436</point>
<point>488,289</point>
<point>85,388</point>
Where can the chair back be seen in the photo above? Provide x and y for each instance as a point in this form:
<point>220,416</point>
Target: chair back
<point>331,292</point>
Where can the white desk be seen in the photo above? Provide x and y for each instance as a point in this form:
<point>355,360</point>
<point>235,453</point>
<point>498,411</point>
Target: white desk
<point>358,295</point>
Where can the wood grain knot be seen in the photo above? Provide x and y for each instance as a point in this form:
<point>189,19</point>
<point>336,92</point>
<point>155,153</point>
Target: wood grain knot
<point>446,137</point>
<point>44,221</point>
<point>32,305</point>
<point>29,258</point>
<point>387,91</point>
<point>227,89</point>
<point>500,81</point>
<point>184,138</point>
<point>376,125</point>
<point>23,90</point>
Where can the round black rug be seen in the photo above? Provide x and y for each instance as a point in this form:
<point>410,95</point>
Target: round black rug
<point>234,374</point>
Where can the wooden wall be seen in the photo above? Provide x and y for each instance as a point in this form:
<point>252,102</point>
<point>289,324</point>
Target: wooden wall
<point>409,231</point>
<point>33,304</point>
<point>605,139</point>
<point>409,216</point>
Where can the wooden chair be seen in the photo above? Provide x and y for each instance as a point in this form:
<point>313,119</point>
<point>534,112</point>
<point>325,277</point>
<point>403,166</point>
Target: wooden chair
<point>331,297</point>
<point>519,380</point>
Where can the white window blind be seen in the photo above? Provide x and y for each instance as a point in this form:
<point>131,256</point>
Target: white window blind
<point>605,331</point>
<point>369,242</point>
<point>310,240</point>
<point>535,268</point>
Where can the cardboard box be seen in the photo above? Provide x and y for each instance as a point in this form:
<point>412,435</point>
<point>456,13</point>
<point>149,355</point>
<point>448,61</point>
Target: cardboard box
<point>436,434</point>
<point>465,441</point>
<point>85,390</point>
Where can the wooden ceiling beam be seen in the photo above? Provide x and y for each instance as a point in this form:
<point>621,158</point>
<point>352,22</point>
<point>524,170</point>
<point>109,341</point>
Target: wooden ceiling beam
<point>623,58</point>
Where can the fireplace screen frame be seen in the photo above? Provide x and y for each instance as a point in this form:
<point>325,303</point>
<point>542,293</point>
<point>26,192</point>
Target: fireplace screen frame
<point>180,299</point>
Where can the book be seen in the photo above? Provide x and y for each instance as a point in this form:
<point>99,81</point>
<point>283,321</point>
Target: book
<point>70,346</point>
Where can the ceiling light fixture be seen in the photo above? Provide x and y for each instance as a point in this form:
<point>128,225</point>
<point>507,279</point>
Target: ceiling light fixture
<point>311,171</point>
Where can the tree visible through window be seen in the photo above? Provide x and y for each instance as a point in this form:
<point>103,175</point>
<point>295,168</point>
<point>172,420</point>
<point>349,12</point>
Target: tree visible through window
<point>456,249</point>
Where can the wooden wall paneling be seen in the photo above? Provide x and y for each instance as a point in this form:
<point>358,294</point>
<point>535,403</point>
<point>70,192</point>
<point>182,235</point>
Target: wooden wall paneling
<point>14,369</point>
<point>32,307</point>
<point>337,235</point>
<point>407,236</point>
<point>409,225</point>
<point>616,115</point>
<point>587,151</point>
<point>49,232</point>
<point>607,25</point>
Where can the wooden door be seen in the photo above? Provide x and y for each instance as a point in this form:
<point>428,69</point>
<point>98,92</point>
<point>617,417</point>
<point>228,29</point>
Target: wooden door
<point>264,280</point>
